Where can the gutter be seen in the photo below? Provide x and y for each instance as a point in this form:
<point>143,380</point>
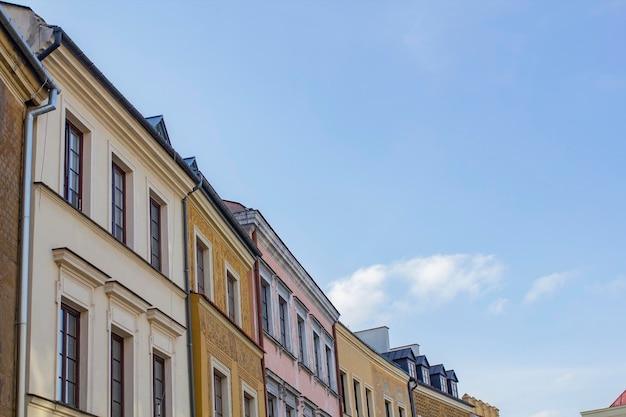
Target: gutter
<point>192,391</point>
<point>25,220</point>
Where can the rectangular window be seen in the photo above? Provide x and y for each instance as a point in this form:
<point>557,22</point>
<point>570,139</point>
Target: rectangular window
<point>368,402</point>
<point>69,349</point>
<point>282,320</point>
<point>425,376</point>
<point>301,339</point>
<point>453,389</point>
<point>357,397</point>
<point>388,412</point>
<point>118,200</point>
<point>117,375</point>
<point>329,364</point>
<point>401,412</point>
<point>200,252</point>
<point>158,386</point>
<point>271,406</point>
<point>288,411</point>
<point>73,187</point>
<point>155,234</point>
<point>443,384</point>
<point>218,395</point>
<point>231,286</point>
<point>316,349</point>
<point>344,398</point>
<point>249,405</point>
<point>265,293</point>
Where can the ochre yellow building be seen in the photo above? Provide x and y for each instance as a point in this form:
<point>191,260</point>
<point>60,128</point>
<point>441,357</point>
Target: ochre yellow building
<point>228,359</point>
<point>369,384</point>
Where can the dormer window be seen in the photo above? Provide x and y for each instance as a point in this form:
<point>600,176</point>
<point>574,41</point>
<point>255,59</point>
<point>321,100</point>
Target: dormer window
<point>453,389</point>
<point>412,370</point>
<point>425,376</point>
<point>443,383</point>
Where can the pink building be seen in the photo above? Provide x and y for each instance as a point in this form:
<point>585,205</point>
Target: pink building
<point>297,321</point>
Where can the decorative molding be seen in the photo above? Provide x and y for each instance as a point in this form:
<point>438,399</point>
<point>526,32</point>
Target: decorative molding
<point>126,297</point>
<point>79,267</point>
<point>165,323</point>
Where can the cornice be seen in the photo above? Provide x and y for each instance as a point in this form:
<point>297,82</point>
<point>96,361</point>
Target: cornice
<point>280,252</point>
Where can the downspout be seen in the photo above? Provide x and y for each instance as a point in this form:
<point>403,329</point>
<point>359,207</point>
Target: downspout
<point>58,37</point>
<point>257,276</point>
<point>408,386</point>
<point>25,221</point>
<point>192,391</point>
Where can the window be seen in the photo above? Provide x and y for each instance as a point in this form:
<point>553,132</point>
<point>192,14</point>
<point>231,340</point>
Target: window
<point>69,349</point>
<point>368,402</point>
<point>388,412</point>
<point>301,339</point>
<point>247,406</point>
<point>204,268</point>
<point>221,394</point>
<point>117,375</point>
<point>73,187</point>
<point>425,376</point>
<point>288,410</point>
<point>329,364</point>
<point>155,234</point>
<point>265,309</point>
<point>232,294</point>
<point>158,386</point>
<point>401,412</point>
<point>357,397</point>
<point>316,351</point>
<point>443,384</point>
<point>249,401</point>
<point>271,405</point>
<point>218,396</point>
<point>453,389</point>
<point>344,398</point>
<point>282,320</point>
<point>118,203</point>
<point>412,369</point>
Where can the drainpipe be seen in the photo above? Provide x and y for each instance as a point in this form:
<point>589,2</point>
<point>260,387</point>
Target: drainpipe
<point>410,389</point>
<point>25,221</point>
<point>257,279</point>
<point>192,392</point>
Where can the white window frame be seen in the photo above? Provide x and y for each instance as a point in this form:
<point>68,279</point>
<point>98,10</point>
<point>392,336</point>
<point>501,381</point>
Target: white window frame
<point>357,392</point>
<point>369,401</point>
<point>248,391</point>
<point>156,195</point>
<point>117,158</point>
<point>229,270</point>
<point>266,280</point>
<point>226,387</point>
<point>285,294</point>
<point>87,129</point>
<point>207,257</point>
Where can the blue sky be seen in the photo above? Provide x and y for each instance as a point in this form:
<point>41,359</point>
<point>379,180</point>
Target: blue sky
<point>453,170</point>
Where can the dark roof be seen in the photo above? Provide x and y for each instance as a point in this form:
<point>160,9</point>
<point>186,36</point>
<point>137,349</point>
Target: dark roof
<point>405,353</point>
<point>451,375</point>
<point>422,361</point>
<point>158,123</point>
<point>437,369</point>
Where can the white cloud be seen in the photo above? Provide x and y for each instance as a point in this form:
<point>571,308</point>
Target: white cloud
<point>497,306</point>
<point>372,293</point>
<point>545,285</point>
<point>613,288</point>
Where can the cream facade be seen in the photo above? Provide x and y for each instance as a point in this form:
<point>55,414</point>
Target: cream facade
<point>296,320</point>
<point>107,301</point>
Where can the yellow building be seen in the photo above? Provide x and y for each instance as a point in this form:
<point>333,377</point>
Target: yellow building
<point>370,386</point>
<point>227,356</point>
<point>481,408</point>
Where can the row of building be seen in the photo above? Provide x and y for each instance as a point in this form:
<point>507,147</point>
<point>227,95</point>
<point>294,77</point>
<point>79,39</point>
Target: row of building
<point>130,288</point>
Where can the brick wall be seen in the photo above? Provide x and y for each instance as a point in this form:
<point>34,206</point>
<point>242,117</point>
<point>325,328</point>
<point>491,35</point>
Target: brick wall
<point>426,406</point>
<point>11,127</point>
